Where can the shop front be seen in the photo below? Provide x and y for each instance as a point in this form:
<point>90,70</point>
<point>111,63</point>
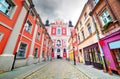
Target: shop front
<point>111,49</point>
<point>92,56</point>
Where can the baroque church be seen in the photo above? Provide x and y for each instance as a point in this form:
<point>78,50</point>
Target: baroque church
<point>60,33</point>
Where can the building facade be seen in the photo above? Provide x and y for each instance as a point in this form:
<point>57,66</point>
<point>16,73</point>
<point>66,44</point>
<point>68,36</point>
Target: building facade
<point>60,33</point>
<point>106,15</point>
<point>70,48</point>
<point>21,34</point>
<point>88,47</point>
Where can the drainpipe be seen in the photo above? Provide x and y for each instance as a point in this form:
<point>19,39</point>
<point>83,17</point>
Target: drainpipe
<point>98,38</point>
<point>21,37</point>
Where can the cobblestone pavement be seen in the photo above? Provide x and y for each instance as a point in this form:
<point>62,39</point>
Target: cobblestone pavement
<point>59,69</point>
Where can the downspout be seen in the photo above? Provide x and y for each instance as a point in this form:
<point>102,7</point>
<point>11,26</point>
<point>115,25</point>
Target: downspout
<point>20,37</point>
<point>98,38</point>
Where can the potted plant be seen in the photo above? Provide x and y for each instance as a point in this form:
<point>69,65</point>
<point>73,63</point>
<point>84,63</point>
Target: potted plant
<point>105,27</point>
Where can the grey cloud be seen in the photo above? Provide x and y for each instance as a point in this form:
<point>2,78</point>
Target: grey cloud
<point>64,9</point>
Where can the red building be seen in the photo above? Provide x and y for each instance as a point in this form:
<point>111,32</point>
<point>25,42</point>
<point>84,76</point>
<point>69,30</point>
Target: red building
<point>21,34</point>
<point>10,13</point>
<point>59,32</point>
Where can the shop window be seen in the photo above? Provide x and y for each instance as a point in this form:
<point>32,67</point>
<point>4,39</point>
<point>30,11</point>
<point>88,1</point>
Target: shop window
<point>22,50</point>
<point>116,53</point>
<point>106,18</point>
<point>87,55</point>
<point>97,54</point>
<point>28,26</point>
<point>6,7</point>
<point>36,53</point>
<point>1,36</point>
<point>89,29</point>
<point>38,36</point>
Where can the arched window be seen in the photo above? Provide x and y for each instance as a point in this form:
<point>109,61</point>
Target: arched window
<point>58,50</point>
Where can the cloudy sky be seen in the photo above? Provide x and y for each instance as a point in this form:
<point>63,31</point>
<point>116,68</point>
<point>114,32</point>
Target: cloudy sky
<point>59,9</point>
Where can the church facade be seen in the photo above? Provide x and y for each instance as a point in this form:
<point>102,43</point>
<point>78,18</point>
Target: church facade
<point>60,33</point>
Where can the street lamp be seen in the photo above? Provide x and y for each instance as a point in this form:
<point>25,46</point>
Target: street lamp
<point>74,55</point>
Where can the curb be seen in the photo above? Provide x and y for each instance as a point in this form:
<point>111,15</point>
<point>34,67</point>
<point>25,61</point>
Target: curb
<point>89,75</point>
<point>23,76</point>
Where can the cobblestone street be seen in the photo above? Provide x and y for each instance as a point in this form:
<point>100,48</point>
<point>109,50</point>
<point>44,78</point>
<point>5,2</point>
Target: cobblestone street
<point>59,69</point>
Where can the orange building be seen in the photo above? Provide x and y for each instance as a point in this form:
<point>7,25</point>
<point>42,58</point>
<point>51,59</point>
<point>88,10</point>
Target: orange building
<point>10,13</point>
<point>21,34</point>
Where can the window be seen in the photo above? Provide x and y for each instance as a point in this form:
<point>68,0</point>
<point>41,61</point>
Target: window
<point>43,54</point>
<point>105,16</point>
<point>85,15</point>
<point>83,35</point>
<point>28,26</point>
<point>79,38</point>
<point>38,36</point>
<point>96,1</point>
<point>80,23</point>
<point>52,49</point>
<point>22,50</point>
<point>89,29</point>
<point>77,29</point>
<point>58,50</point>
<point>58,31</point>
<point>6,6</point>
<point>1,36</point>
<point>58,43</point>
<point>36,53</point>
<point>64,50</point>
<point>44,42</point>
<point>32,14</point>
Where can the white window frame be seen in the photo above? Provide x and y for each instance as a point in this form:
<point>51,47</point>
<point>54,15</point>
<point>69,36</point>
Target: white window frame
<point>24,51</point>
<point>83,35</point>
<point>8,11</point>
<point>32,13</point>
<point>96,1</point>
<point>35,53</point>
<point>1,36</point>
<point>89,29</point>
<point>27,26</point>
<point>38,35</point>
<point>105,17</point>
<point>57,31</point>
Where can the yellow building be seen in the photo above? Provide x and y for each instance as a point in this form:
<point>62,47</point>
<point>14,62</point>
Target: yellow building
<point>87,39</point>
<point>70,49</point>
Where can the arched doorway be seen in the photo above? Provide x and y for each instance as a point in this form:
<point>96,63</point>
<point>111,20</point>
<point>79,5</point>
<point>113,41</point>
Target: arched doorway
<point>58,53</point>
